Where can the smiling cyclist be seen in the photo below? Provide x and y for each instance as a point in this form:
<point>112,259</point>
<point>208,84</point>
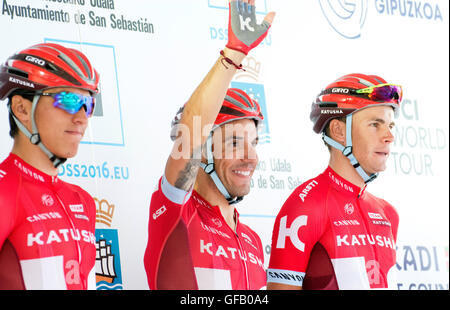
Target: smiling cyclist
<point>195,237</point>
<point>47,226</point>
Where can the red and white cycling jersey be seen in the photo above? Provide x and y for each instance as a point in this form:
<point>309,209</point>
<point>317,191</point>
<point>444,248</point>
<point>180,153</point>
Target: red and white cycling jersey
<point>190,245</point>
<point>331,234</point>
<point>47,230</point>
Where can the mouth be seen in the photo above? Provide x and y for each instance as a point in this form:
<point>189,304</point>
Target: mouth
<point>243,173</point>
<point>75,133</point>
<point>384,154</point>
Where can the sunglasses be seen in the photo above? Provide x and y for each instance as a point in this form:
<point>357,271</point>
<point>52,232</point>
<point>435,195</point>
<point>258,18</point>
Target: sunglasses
<point>380,93</point>
<point>72,102</point>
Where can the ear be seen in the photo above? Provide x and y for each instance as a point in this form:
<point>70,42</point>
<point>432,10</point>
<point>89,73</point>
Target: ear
<point>338,131</point>
<point>21,108</point>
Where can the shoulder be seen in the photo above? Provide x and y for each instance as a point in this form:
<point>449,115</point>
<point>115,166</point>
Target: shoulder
<point>9,182</point>
<point>307,197</point>
<point>384,206</point>
<point>84,195</point>
<point>251,236</point>
<point>9,188</point>
<point>250,233</point>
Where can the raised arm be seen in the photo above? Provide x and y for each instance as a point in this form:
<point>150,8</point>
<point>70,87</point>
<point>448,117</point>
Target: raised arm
<point>204,104</point>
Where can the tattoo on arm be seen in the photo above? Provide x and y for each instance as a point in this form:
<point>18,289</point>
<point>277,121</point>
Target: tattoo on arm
<point>186,177</point>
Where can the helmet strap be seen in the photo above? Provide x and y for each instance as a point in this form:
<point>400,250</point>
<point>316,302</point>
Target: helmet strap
<point>347,151</point>
<point>209,168</point>
<point>35,137</point>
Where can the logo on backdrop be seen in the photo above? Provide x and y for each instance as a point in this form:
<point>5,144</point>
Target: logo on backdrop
<point>108,273</point>
<point>345,17</point>
<point>255,91</point>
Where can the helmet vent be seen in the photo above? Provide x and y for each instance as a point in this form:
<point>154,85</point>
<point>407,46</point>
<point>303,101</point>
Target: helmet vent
<point>18,72</point>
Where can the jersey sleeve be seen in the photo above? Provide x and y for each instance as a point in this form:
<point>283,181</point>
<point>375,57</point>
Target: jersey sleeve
<point>298,227</point>
<point>393,218</point>
<point>167,257</point>
<point>8,208</point>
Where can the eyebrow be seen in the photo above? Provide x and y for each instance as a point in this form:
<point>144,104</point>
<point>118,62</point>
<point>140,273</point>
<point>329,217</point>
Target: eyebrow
<point>234,137</point>
<point>382,121</point>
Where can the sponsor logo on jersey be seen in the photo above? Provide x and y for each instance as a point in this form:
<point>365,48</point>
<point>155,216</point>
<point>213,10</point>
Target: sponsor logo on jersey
<point>78,208</point>
<point>159,212</point>
<point>43,217</point>
<point>349,208</point>
<point>214,230</point>
<point>364,239</point>
<point>291,232</point>
<point>227,252</point>
<point>307,188</point>
<point>217,221</point>
<point>28,172</point>
<point>248,240</point>
<point>375,216</point>
<point>59,236</point>
<point>340,183</point>
<point>2,174</point>
<point>47,200</point>
<point>346,223</point>
<point>285,277</point>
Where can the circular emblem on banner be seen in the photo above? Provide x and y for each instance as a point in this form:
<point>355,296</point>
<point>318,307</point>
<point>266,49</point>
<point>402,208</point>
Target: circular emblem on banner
<point>346,17</point>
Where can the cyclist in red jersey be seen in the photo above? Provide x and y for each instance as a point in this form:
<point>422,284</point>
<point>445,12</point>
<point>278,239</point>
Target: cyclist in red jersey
<point>47,226</point>
<point>331,233</point>
<point>196,240</point>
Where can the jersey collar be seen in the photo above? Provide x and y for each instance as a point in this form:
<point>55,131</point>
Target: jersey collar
<point>342,184</point>
<point>29,171</point>
<point>215,209</point>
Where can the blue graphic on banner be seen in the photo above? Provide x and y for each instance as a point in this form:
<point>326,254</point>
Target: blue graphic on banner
<point>256,92</point>
<point>346,18</point>
<point>106,125</point>
<point>107,261</point>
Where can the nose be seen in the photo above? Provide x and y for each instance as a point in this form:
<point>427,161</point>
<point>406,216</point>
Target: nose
<point>250,153</point>
<point>388,137</point>
<point>80,117</point>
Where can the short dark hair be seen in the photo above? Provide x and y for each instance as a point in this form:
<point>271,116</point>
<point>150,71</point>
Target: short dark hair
<point>13,129</point>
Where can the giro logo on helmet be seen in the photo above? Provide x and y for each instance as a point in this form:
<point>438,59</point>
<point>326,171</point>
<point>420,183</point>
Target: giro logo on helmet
<point>340,90</point>
<point>35,60</point>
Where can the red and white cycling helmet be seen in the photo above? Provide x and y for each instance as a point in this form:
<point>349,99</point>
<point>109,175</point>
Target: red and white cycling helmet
<point>236,105</point>
<point>43,66</point>
<point>346,96</point>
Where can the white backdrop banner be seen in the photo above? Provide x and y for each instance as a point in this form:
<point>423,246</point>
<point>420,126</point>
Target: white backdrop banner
<point>152,54</point>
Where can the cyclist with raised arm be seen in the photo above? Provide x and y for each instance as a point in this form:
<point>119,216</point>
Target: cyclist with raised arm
<point>195,239</point>
<point>47,226</point>
<point>331,233</point>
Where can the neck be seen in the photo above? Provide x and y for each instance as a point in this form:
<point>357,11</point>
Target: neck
<point>205,186</point>
<point>33,155</point>
<point>342,166</point>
